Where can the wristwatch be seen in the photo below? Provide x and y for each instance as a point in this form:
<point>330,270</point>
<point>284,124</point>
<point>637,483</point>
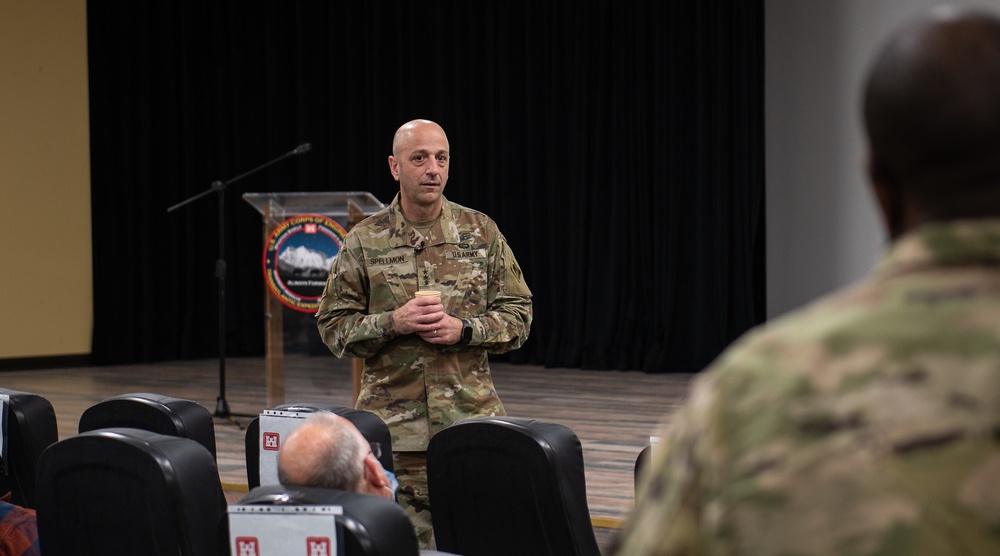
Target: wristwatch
<point>466,333</point>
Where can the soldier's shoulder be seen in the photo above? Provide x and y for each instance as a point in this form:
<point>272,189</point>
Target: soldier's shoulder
<point>463,214</point>
<point>375,226</point>
<point>375,220</point>
<point>799,344</point>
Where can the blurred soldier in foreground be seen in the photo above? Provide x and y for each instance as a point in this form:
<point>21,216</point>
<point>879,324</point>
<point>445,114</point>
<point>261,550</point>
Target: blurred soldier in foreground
<point>869,421</point>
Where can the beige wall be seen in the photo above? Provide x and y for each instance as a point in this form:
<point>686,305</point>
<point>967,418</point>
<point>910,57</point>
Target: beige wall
<point>46,300</point>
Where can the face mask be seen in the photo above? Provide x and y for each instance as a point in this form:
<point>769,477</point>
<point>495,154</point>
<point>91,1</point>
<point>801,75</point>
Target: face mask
<point>393,483</point>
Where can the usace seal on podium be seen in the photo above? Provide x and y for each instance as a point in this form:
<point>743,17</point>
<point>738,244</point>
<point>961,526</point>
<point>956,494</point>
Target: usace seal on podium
<point>297,257</point>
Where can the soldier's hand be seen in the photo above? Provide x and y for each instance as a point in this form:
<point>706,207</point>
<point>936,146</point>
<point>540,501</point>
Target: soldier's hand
<point>419,315</point>
<point>448,332</point>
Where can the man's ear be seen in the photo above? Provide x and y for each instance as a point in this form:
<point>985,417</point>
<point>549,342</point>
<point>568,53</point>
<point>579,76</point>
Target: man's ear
<point>394,167</point>
<point>378,482</point>
<point>376,475</point>
<point>887,195</point>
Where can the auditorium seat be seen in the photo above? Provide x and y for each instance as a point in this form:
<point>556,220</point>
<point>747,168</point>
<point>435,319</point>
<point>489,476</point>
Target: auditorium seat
<point>371,426</point>
<point>31,428</point>
<point>508,485</point>
<point>153,412</point>
<point>127,491</point>
<point>371,525</point>
<point>640,464</point>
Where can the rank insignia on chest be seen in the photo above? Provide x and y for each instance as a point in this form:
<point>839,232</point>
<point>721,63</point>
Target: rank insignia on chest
<point>426,277</point>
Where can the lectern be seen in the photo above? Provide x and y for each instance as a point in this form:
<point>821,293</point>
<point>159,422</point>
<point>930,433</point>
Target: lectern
<point>302,233</point>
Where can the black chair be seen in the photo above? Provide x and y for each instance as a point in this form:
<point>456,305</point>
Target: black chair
<point>507,485</point>
<point>640,464</point>
<point>372,526</point>
<point>372,427</point>
<point>31,428</point>
<point>155,413</point>
<point>127,491</point>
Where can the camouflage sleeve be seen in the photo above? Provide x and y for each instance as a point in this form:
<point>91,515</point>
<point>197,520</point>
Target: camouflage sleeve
<point>507,321</point>
<point>343,321</point>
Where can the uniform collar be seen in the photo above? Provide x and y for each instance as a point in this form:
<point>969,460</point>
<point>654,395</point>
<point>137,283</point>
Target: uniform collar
<point>445,230</point>
<point>973,242</point>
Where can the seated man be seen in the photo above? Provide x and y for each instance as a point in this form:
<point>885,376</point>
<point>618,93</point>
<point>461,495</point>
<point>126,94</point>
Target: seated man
<point>328,451</point>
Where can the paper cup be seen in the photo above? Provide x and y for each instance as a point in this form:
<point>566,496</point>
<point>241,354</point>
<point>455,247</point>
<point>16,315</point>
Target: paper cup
<point>428,293</point>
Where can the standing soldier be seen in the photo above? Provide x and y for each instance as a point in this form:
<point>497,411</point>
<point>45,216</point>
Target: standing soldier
<point>425,357</point>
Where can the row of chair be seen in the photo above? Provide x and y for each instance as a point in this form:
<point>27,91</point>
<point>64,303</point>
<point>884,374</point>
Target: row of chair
<point>141,478</point>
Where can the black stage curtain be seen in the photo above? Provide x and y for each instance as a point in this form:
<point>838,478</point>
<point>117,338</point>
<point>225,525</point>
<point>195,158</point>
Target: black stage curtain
<point>618,144</point>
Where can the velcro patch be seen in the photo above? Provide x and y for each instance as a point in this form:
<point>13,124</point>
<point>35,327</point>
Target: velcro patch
<point>386,260</point>
<point>465,254</point>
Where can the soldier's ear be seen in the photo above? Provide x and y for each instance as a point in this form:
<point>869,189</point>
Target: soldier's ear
<point>394,167</point>
<point>886,194</point>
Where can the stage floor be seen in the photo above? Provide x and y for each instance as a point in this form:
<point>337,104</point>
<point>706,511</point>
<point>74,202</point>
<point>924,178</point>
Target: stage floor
<point>613,413</point>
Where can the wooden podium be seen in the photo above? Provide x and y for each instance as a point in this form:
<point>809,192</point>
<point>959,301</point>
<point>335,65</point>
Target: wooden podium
<point>344,207</point>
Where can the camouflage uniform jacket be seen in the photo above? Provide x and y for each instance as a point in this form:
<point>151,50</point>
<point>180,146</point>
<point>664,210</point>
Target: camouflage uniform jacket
<point>416,387</point>
<point>867,422</point>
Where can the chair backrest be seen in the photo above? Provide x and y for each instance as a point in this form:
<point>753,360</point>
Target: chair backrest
<point>155,413</point>
<point>507,485</point>
<point>640,464</point>
<point>372,427</point>
<point>31,428</point>
<point>372,526</point>
<point>128,491</point>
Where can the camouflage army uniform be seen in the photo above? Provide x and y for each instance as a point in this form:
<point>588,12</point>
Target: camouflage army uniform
<point>865,423</point>
<point>416,387</point>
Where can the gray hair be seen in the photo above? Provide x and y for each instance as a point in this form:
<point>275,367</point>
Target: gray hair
<point>336,457</point>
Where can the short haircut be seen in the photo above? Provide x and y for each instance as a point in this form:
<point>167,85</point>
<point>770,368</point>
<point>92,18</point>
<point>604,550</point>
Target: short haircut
<point>337,462</point>
<point>931,107</point>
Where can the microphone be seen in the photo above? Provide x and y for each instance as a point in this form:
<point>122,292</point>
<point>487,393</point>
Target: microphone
<point>301,149</point>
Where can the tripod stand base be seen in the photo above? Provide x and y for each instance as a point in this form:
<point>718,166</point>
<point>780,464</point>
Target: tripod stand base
<point>222,412</point>
<point>222,408</point>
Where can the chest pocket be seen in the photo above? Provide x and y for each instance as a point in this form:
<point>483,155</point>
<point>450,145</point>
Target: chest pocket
<point>387,290</point>
<point>470,271</point>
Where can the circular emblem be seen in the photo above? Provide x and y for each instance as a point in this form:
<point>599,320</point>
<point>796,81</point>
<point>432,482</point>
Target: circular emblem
<point>297,258</point>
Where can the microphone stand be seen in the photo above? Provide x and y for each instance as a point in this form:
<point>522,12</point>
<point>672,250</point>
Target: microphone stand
<point>219,187</point>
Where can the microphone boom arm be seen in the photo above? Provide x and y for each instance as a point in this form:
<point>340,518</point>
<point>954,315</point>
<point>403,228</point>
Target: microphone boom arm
<point>219,187</point>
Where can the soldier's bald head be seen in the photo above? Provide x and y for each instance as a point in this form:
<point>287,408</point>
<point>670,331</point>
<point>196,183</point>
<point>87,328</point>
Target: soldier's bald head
<point>409,129</point>
<point>932,111</point>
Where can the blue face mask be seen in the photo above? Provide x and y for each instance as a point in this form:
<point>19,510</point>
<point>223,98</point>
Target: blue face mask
<point>393,483</point>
